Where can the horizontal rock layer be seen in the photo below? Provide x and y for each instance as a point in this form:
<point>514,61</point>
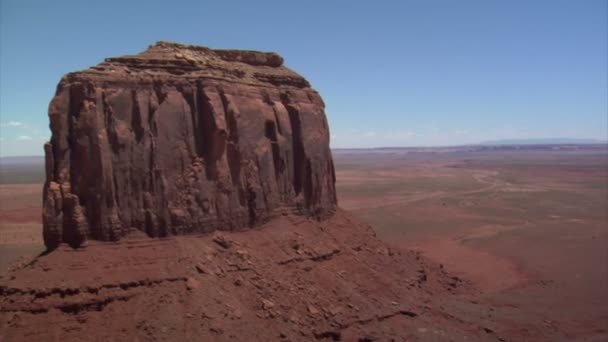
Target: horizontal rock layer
<point>182,139</point>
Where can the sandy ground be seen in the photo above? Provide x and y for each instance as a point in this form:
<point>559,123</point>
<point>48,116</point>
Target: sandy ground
<point>20,222</point>
<point>530,229</point>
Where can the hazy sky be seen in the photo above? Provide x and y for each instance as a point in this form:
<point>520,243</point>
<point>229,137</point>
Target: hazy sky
<point>392,73</point>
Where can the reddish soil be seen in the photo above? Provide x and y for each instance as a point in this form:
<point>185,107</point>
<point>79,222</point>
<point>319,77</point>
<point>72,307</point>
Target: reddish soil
<point>20,222</point>
<point>292,279</point>
<point>528,228</point>
<point>507,246</point>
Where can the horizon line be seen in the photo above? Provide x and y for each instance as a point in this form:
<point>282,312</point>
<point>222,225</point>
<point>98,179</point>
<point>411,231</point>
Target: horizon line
<point>599,142</point>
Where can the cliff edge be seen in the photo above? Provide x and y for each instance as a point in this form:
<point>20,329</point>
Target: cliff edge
<point>183,139</point>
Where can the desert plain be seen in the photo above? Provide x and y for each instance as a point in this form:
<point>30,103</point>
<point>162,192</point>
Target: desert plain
<point>526,226</point>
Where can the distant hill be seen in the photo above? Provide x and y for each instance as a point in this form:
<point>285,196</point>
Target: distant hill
<point>22,170</point>
<point>22,160</point>
<point>543,141</point>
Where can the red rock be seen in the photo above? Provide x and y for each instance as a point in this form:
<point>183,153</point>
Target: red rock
<point>266,304</point>
<point>312,310</point>
<point>183,139</point>
<point>202,269</point>
<point>192,284</point>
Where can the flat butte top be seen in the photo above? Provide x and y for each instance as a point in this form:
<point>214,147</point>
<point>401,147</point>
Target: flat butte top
<point>167,61</point>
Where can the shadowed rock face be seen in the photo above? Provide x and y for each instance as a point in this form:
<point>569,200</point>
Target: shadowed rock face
<point>183,139</point>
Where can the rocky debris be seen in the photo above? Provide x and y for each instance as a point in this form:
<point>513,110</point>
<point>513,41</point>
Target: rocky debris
<point>192,284</point>
<point>183,139</point>
<point>313,310</point>
<point>222,241</point>
<point>202,269</point>
<point>192,289</point>
<point>267,304</point>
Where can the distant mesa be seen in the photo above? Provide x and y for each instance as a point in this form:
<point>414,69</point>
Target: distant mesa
<point>183,139</point>
<point>543,141</point>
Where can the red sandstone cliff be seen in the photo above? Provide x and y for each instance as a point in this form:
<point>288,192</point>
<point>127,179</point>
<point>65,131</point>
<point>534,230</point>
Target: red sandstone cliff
<point>182,139</point>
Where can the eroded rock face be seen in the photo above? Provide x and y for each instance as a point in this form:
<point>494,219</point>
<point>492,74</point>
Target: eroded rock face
<point>183,139</point>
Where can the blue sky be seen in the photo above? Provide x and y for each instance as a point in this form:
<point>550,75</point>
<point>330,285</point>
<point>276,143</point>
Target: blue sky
<point>392,73</point>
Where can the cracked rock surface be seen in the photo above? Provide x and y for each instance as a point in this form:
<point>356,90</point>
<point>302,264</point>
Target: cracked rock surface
<point>183,139</point>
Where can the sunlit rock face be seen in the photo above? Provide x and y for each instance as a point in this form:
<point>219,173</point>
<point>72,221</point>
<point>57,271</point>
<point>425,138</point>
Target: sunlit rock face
<point>183,139</point>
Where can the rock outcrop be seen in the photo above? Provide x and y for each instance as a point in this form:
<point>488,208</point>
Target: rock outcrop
<point>183,139</point>
<point>292,280</point>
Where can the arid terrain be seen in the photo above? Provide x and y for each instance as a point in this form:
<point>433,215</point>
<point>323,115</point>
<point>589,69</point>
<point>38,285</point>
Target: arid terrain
<point>293,279</point>
<point>527,226</point>
<point>21,181</point>
<point>521,234</point>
